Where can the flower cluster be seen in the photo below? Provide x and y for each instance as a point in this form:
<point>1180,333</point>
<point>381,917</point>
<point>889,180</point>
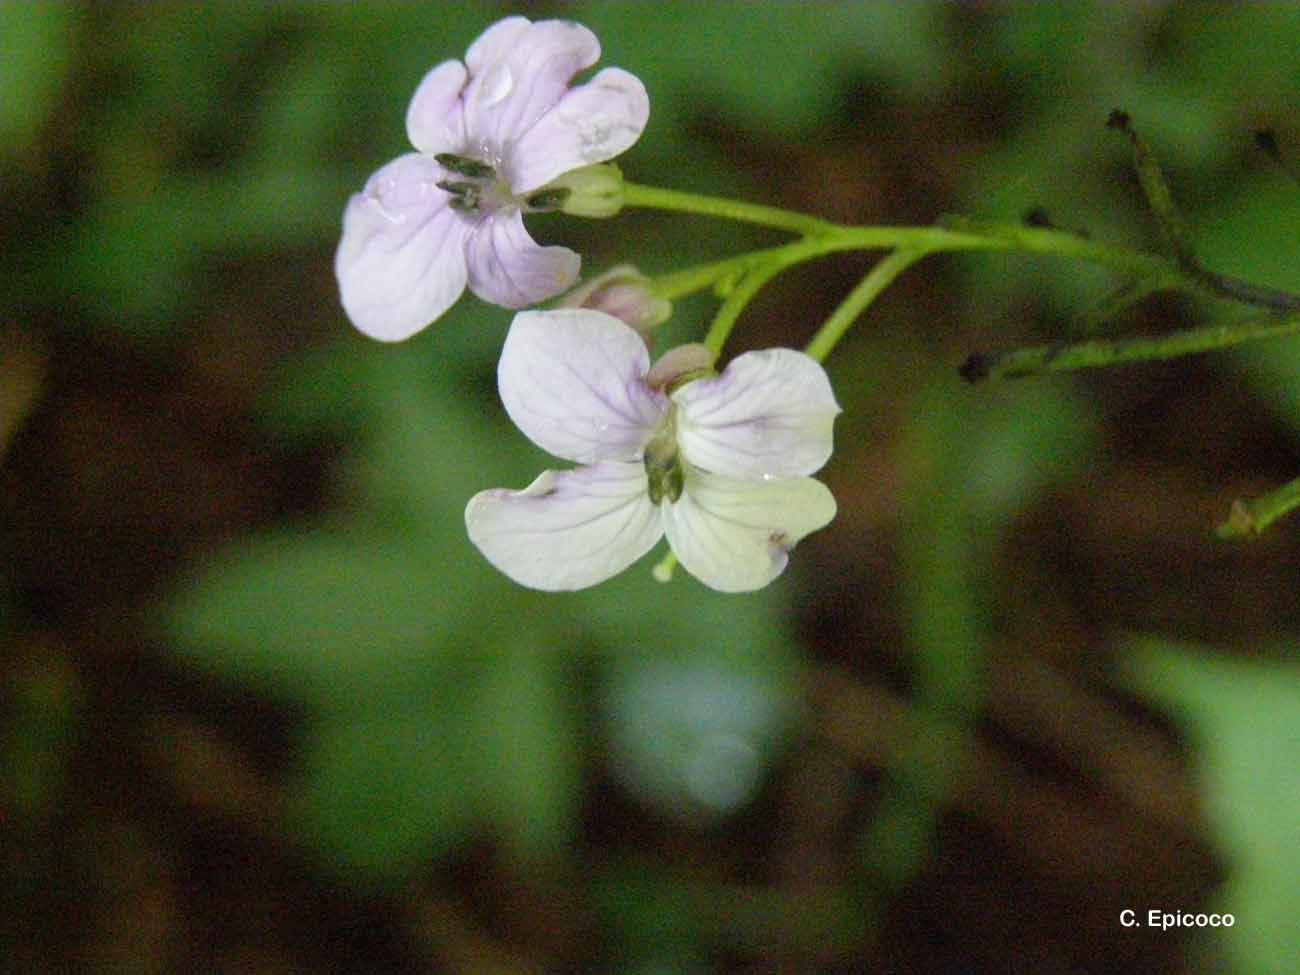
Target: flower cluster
<point>719,464</point>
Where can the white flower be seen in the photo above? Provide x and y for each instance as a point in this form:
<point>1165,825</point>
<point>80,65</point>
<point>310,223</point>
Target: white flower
<point>718,464</point>
<point>493,135</point>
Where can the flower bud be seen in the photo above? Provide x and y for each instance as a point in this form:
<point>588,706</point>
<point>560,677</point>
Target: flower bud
<point>623,292</point>
<point>681,364</point>
<point>591,191</point>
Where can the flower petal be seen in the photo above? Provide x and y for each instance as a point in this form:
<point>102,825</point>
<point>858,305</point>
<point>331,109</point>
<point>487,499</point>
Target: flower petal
<point>590,124</point>
<point>518,71</point>
<point>769,414</point>
<point>401,261</point>
<point>735,535</point>
<point>508,268</point>
<point>573,380</point>
<point>434,119</point>
<point>495,43</point>
<point>566,530</point>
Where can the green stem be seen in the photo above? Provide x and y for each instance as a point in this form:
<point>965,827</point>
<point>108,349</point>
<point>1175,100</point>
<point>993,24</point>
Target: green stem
<point>867,290</point>
<point>1253,517</point>
<point>821,237</point>
<point>663,569</point>
<point>740,295</point>
<point>657,198</point>
<point>678,284</point>
<point>1156,189</point>
<point>1127,295</point>
<point>1105,352</point>
<point>986,237</point>
<point>1174,229</point>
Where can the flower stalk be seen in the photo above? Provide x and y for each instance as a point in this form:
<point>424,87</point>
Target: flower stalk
<point>851,308</point>
<point>1250,518</point>
<point>1096,353</point>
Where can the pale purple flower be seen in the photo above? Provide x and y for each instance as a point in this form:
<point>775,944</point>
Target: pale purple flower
<point>717,464</point>
<point>493,136</point>
<point>625,293</point>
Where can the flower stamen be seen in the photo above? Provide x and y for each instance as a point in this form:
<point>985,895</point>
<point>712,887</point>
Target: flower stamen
<point>465,165</point>
<point>663,464</point>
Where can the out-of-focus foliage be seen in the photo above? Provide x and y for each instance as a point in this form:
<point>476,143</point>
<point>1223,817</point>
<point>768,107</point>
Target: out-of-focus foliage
<point>439,702</point>
<point>895,44</point>
<point>443,697</point>
<point>193,163</point>
<point>976,465</point>
<point>35,52</point>
<point>1218,73</point>
<point>1244,718</point>
<point>1251,232</point>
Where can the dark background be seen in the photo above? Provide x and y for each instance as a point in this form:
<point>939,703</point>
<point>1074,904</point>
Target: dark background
<point>265,708</point>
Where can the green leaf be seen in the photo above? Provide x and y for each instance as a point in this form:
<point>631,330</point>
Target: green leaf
<point>977,459</point>
<point>352,381</point>
<point>329,616</point>
<point>1243,717</point>
<point>1027,440</point>
<point>525,726</point>
<point>1272,369</point>
<point>1251,232</point>
<point>482,743</point>
<point>987,453</point>
<point>722,54</point>
<point>632,615</point>
<point>1237,51</point>
<point>35,52</point>
<point>135,256</point>
<point>385,789</point>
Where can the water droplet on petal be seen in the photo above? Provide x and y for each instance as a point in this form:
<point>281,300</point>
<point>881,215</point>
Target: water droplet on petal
<point>380,195</point>
<point>496,85</point>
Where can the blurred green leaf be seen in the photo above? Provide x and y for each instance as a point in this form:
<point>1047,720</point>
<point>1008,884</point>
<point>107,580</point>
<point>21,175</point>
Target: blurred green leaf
<point>1243,718</point>
<point>525,728</point>
<point>632,615</point>
<point>1026,441</point>
<point>1252,232</point>
<point>327,390</point>
<point>448,371</point>
<point>133,256</point>
<point>334,616</point>
<point>178,61</point>
<point>36,44</point>
<point>1272,369</point>
<point>386,789</point>
<point>736,45</point>
<point>1235,49</point>
<point>45,717</point>
<point>485,743</point>
<point>984,454</point>
<point>977,459</point>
